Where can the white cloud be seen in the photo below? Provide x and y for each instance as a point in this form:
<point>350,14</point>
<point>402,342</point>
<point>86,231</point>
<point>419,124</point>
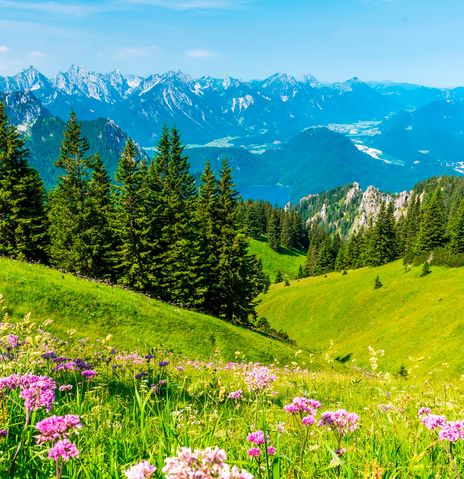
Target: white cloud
<point>4,49</point>
<point>140,52</point>
<point>199,53</point>
<point>37,54</point>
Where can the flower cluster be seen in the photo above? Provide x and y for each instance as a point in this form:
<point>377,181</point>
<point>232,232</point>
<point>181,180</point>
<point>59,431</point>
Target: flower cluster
<point>259,439</point>
<point>433,421</point>
<point>259,378</point>
<point>301,405</point>
<point>236,395</point>
<point>57,429</point>
<point>54,428</point>
<point>64,449</point>
<point>450,431</point>
<point>206,463</point>
<point>305,408</point>
<point>37,391</point>
<point>341,421</point>
<point>142,470</point>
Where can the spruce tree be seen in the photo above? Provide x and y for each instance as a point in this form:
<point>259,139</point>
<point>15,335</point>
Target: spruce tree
<point>180,280</point>
<point>411,228</point>
<point>209,230</point>
<point>102,238</point>
<point>70,207</point>
<point>240,278</point>
<point>457,230</point>
<point>432,231</point>
<point>383,241</point>
<point>273,231</point>
<point>130,221</point>
<point>23,223</point>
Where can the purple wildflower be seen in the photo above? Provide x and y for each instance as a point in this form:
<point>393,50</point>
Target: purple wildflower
<point>64,449</point>
<point>340,421</point>
<point>142,470</point>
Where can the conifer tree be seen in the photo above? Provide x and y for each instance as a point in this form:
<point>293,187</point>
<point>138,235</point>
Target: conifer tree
<point>273,231</point>
<point>209,230</point>
<point>382,241</point>
<point>130,221</point>
<point>239,274</point>
<point>101,234</point>
<point>457,230</point>
<point>432,231</point>
<point>179,277</point>
<point>279,277</point>
<point>70,207</point>
<point>23,224</point>
<point>411,228</point>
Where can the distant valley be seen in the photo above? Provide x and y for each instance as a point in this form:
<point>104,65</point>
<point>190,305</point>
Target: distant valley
<point>285,137</point>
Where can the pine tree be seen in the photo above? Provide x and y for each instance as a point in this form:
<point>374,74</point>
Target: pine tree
<point>273,231</point>
<point>101,235</point>
<point>209,230</point>
<point>23,223</point>
<point>133,257</point>
<point>383,241</point>
<point>432,231</point>
<point>411,228</point>
<point>240,278</point>
<point>70,207</point>
<point>279,277</point>
<point>180,280</point>
<point>457,230</point>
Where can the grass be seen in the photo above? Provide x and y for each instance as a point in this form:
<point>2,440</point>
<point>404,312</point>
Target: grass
<point>417,321</point>
<point>287,260</point>
<point>136,322</point>
<point>127,418</point>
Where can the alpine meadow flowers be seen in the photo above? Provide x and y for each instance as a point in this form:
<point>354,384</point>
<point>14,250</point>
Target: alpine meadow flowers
<point>77,409</point>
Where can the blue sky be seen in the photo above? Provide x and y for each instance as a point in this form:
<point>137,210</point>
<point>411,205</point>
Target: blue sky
<point>418,41</point>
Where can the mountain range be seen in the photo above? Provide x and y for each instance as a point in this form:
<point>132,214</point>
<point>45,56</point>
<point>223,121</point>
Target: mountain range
<point>208,108</point>
<point>285,137</point>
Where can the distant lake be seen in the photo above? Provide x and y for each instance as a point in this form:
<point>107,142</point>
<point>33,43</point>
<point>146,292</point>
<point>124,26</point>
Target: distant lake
<point>275,194</point>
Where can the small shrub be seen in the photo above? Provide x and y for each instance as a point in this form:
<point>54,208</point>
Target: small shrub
<point>286,282</point>
<point>426,269</point>
<point>377,283</point>
<point>279,278</point>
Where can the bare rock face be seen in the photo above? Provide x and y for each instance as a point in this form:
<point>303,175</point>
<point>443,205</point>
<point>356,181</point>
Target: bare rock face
<point>352,193</point>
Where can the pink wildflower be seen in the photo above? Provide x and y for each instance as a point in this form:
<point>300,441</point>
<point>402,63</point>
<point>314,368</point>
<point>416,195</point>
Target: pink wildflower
<point>256,437</point>
<point>254,452</point>
<point>271,450</point>
<point>54,428</point>
<point>423,411</point>
<point>64,449</point>
<point>201,464</point>
<point>259,378</point>
<point>452,431</point>
<point>89,374</point>
<point>300,405</point>
<point>142,470</point>
<point>236,395</point>
<point>340,421</point>
<point>432,421</point>
<point>308,420</point>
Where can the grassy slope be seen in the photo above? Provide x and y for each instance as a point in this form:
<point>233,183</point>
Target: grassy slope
<point>287,260</point>
<point>408,316</point>
<point>135,321</point>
